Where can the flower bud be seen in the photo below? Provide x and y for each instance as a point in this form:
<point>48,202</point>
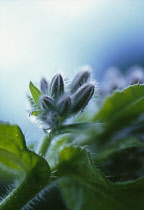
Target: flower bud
<point>64,105</point>
<point>81,78</point>
<point>46,103</point>
<point>57,86</point>
<point>44,86</point>
<point>82,97</point>
<point>135,75</point>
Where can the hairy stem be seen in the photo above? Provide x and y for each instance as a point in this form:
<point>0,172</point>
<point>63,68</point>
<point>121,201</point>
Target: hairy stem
<point>22,194</point>
<point>43,145</point>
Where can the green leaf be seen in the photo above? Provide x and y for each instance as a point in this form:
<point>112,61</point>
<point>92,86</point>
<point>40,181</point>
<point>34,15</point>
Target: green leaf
<point>31,101</point>
<point>122,102</point>
<point>32,170</point>
<point>57,144</point>
<point>35,93</point>
<point>83,186</point>
<point>35,113</point>
<point>121,109</point>
<point>76,127</point>
<point>119,145</point>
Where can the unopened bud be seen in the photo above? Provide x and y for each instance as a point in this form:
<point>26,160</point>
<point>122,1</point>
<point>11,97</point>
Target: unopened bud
<point>81,78</point>
<point>82,97</point>
<point>57,86</point>
<point>44,86</point>
<point>135,76</point>
<point>46,103</point>
<point>64,105</point>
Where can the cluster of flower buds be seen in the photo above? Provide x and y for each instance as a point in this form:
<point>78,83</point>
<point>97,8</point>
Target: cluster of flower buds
<point>114,79</point>
<point>57,104</point>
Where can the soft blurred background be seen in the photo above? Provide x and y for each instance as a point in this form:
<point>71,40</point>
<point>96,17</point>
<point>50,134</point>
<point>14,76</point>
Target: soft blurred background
<point>39,37</point>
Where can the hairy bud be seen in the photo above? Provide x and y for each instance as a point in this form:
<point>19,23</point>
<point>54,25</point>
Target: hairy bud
<point>82,97</point>
<point>44,86</point>
<point>52,104</point>
<point>135,76</point>
<point>64,105</point>
<point>46,102</point>
<point>81,78</point>
<point>57,86</point>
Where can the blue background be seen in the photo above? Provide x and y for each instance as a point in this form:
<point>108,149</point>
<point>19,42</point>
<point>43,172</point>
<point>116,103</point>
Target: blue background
<point>39,37</point>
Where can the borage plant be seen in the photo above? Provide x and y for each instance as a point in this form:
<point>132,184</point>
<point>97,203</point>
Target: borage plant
<point>88,160</point>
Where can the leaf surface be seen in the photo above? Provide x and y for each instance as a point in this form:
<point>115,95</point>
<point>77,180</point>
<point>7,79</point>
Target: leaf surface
<point>83,186</point>
<point>35,93</point>
<point>116,147</point>
<point>121,109</point>
<point>32,170</point>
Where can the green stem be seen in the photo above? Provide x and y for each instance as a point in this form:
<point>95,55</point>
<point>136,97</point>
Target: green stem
<point>43,145</point>
<point>22,194</point>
